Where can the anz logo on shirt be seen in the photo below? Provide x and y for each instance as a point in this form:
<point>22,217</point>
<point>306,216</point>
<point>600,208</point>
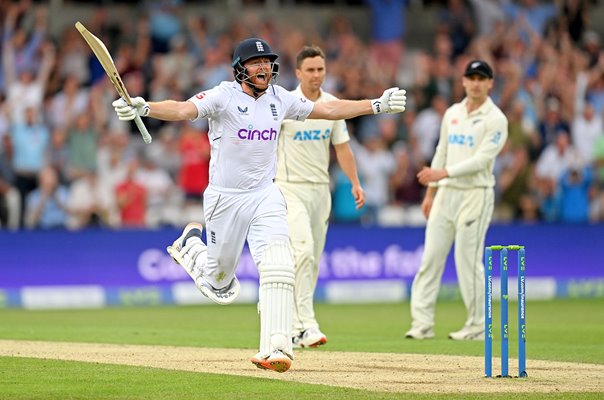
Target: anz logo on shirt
<point>462,140</point>
<point>315,134</point>
<point>497,138</point>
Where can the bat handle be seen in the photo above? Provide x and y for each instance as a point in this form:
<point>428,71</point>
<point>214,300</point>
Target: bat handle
<point>143,129</point>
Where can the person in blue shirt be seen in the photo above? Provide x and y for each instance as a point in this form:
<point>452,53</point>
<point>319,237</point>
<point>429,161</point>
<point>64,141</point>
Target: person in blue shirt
<point>575,185</point>
<point>47,205</point>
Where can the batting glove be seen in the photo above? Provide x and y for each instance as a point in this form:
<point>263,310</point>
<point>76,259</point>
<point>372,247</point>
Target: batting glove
<point>392,101</point>
<point>126,112</point>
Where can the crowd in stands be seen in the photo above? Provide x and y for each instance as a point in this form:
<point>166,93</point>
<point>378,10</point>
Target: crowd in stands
<point>66,161</point>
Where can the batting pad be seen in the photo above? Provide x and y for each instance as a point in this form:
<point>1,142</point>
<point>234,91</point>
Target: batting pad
<point>276,299</point>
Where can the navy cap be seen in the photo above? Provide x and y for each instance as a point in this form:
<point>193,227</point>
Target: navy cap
<point>479,67</point>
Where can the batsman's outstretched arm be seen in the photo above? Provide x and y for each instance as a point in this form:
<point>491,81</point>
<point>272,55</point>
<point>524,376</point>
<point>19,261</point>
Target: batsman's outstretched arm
<point>167,110</point>
<point>393,100</point>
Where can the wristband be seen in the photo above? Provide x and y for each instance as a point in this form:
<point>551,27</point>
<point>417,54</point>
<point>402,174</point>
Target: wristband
<point>376,106</point>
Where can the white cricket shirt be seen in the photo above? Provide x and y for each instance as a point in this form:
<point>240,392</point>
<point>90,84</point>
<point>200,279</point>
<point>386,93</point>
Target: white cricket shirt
<point>244,132</point>
<point>303,154</point>
<point>469,144</point>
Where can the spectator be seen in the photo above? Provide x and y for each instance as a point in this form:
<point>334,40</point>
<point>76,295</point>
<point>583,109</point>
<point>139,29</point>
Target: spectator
<point>574,19</point>
<point>457,21</point>
<point>47,204</point>
<point>552,123</point>
<point>597,206</point>
<point>375,164</point>
<point>512,183</point>
<point>548,201</point>
<point>9,196</point>
<point>531,16</point>
<point>575,185</point>
<point>404,186</point>
<point>91,203</point>
<point>131,199</point>
<point>165,23</point>
<point>586,128</point>
<point>25,82</point>
<point>70,102</point>
<point>31,141</point>
<point>164,151</point>
<point>178,63</point>
<point>388,24</point>
<point>82,149</point>
<point>488,14</point>
<point>426,127</point>
<point>556,158</point>
<point>592,46</point>
<point>20,49</point>
<point>194,171</point>
<point>57,156</point>
<point>113,157</point>
<point>160,188</point>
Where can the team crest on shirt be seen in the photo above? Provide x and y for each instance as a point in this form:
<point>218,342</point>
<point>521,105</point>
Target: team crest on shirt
<point>242,111</point>
<point>274,112</point>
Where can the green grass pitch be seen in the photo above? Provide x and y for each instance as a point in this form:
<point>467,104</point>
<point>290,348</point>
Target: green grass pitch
<point>562,330</point>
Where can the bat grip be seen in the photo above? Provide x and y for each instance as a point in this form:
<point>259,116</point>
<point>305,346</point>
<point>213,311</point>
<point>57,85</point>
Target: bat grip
<point>143,129</point>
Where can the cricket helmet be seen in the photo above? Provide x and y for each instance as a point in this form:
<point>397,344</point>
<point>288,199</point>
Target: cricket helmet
<point>249,49</point>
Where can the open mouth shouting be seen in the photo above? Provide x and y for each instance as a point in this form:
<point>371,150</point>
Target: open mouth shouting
<point>262,79</point>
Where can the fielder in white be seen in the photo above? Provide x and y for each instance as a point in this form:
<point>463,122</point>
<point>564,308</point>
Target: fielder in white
<point>242,202</point>
<point>459,204</point>
<point>303,176</point>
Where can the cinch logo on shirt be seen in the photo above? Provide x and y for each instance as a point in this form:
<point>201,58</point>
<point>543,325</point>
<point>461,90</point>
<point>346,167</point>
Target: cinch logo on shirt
<point>256,134</point>
<point>312,135</point>
<point>464,140</point>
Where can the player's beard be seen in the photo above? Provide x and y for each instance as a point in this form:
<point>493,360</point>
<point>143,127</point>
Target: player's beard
<point>260,80</point>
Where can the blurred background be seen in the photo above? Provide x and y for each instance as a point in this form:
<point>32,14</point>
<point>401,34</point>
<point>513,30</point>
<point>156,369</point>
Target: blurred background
<point>81,195</point>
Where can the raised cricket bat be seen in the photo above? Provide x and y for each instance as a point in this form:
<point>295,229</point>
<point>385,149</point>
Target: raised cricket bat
<point>102,54</point>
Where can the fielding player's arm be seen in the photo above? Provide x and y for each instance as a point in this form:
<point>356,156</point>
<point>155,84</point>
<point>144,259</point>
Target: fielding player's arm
<point>347,162</point>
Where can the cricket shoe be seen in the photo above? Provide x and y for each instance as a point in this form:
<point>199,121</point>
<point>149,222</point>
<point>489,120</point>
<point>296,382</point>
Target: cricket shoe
<point>312,337</point>
<point>468,332</point>
<point>186,256</point>
<point>420,333</point>
<point>276,361</point>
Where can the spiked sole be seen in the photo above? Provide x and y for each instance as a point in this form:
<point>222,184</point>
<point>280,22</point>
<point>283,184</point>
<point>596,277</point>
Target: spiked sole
<point>277,365</point>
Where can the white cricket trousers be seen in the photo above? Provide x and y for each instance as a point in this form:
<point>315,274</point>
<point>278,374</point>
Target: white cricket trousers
<point>232,216</point>
<point>308,210</point>
<point>461,216</point>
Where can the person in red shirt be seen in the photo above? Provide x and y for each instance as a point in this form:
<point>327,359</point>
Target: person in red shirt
<point>131,199</point>
<point>194,171</point>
